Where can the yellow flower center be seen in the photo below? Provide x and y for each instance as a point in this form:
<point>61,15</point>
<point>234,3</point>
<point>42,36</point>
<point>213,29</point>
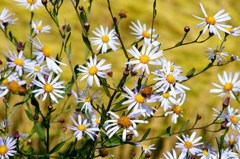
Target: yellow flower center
<point>139,98</point>
<point>146,91</point>
<point>205,152</point>
<point>48,87</point>
<point>211,20</point>
<point>171,68</point>
<point>3,149</point>
<point>144,146</point>
<point>88,99</point>
<point>37,68</point>
<point>124,121</point>
<point>31,1</point>
<point>170,78</point>
<point>234,119</point>
<point>82,127</point>
<point>231,142</point>
<point>5,81</point>
<point>229,29</point>
<point>146,34</point>
<point>98,121</point>
<point>105,38</point>
<point>144,59</point>
<point>216,52</point>
<point>239,154</point>
<point>39,27</point>
<point>176,109</point>
<point>228,87</point>
<point>46,51</point>
<point>13,86</point>
<point>166,95</point>
<point>93,70</point>
<point>188,144</point>
<point>19,62</point>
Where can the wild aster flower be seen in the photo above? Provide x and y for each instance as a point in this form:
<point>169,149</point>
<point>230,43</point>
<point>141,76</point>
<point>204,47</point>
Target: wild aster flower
<point>44,53</point>
<point>216,54</point>
<point>213,23</point>
<point>6,18</point>
<point>18,62</point>
<point>7,147</point>
<point>207,152</point>
<point>227,154</point>
<point>32,4</point>
<point>11,83</point>
<point>166,99</point>
<point>38,28</point>
<point>173,67</point>
<point>49,87</point>
<point>230,140</point>
<point>229,85</point>
<point>95,121</point>
<point>176,108</point>
<point>87,99</point>
<point>127,123</point>
<point>94,70</point>
<point>189,144</point>
<point>233,118</point>
<point>142,32</point>
<point>168,155</point>
<point>4,125</point>
<point>146,148</point>
<point>138,101</point>
<point>82,126</point>
<point>35,69</point>
<point>168,80</point>
<point>234,31</point>
<point>105,39</point>
<point>145,57</point>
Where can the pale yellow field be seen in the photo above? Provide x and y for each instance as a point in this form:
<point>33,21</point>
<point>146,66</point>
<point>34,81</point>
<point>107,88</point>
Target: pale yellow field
<point>172,17</point>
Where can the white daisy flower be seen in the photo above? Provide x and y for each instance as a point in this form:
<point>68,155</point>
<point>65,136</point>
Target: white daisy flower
<point>216,54</point>
<point>10,83</point>
<point>145,57</point>
<point>230,140</point>
<point>142,32</point>
<point>138,101</point>
<point>173,67</point>
<point>82,126</point>
<point>213,23</point>
<point>176,108</point>
<point>32,4</point>
<point>7,147</point>
<point>207,152</point>
<point>38,28</point>
<point>18,62</point>
<point>232,118</point>
<point>146,148</point>
<point>234,31</point>
<point>48,87</point>
<point>105,39</point>
<point>6,18</point>
<point>128,123</point>
<point>96,121</point>
<point>168,155</point>
<point>44,53</point>
<point>35,69</point>
<point>168,80</point>
<point>227,154</point>
<point>86,99</point>
<point>94,70</point>
<point>230,85</point>
<point>166,99</point>
<point>189,144</point>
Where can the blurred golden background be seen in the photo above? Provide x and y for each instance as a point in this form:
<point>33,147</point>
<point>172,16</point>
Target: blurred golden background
<point>172,17</point>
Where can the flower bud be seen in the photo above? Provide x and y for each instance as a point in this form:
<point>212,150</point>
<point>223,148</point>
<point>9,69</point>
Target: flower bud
<point>86,26</point>
<point>1,62</point>
<point>146,91</point>
<point>226,102</point>
<point>61,120</point>
<point>35,117</point>
<point>81,8</point>
<point>109,73</point>
<point>50,107</point>
<point>16,135</point>
<point>29,142</point>
<point>133,154</point>
<point>148,155</point>
<point>115,20</point>
<point>66,28</point>
<point>211,34</point>
<point>5,100</point>
<point>64,128</point>
<point>186,29</point>
<point>126,72</point>
<point>224,124</point>
<point>199,117</point>
<point>122,14</point>
<point>20,46</point>
<point>44,2</point>
<point>129,137</point>
<point>103,152</point>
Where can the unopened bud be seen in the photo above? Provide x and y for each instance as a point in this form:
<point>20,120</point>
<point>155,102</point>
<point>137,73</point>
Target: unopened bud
<point>122,14</point>
<point>115,20</point>
<point>199,117</point>
<point>81,8</point>
<point>35,117</point>
<point>186,29</point>
<point>211,34</point>
<point>16,135</point>
<point>226,102</point>
<point>133,154</point>
<point>86,26</point>
<point>50,107</point>
<point>20,46</point>
<point>44,2</point>
<point>5,100</point>
<point>103,152</point>
<point>29,142</point>
<point>109,73</point>
<point>66,28</point>
<point>146,92</point>
<point>61,120</point>
<point>64,128</point>
<point>129,137</point>
<point>126,72</point>
<point>1,62</point>
<point>224,124</point>
<point>148,155</point>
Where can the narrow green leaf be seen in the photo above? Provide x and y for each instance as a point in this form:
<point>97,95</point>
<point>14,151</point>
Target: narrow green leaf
<point>87,42</point>
<point>165,136</point>
<point>168,130</point>
<point>145,135</point>
<point>57,147</point>
<point>38,128</point>
<point>113,141</point>
<point>191,72</point>
<point>184,126</point>
<point>34,101</point>
<point>104,84</point>
<point>29,114</point>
